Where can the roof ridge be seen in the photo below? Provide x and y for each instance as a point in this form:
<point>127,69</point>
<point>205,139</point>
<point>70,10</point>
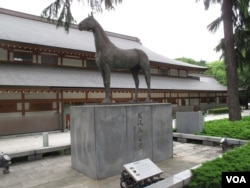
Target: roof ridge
<point>52,21</point>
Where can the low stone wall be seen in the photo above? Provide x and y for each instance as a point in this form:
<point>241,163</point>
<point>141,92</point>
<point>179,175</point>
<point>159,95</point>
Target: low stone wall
<point>30,155</point>
<point>206,140</point>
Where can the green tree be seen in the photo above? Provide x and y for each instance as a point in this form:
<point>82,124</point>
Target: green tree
<point>60,10</point>
<point>241,21</point>
<point>227,17</point>
<point>217,69</point>
<point>242,33</point>
<point>244,83</point>
<point>230,61</point>
<point>192,61</point>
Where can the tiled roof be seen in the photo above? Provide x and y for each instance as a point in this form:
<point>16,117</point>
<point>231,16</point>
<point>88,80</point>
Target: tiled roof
<point>19,75</point>
<point>20,27</point>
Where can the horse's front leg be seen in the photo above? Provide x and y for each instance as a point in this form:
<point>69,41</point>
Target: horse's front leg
<point>106,81</point>
<point>147,78</point>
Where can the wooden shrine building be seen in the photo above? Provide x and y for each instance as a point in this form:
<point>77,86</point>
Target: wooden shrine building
<point>44,71</point>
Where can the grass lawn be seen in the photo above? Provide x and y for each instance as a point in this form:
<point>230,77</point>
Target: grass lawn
<point>236,160</point>
<point>229,129</point>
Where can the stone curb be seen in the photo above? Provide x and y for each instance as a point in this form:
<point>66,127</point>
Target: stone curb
<point>38,153</point>
<point>176,181</point>
<point>207,140</point>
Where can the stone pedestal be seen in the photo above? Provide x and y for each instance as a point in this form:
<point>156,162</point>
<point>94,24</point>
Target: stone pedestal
<point>189,122</point>
<point>104,137</point>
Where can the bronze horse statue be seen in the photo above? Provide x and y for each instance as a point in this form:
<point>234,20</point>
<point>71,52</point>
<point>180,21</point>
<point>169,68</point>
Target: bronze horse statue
<point>109,57</point>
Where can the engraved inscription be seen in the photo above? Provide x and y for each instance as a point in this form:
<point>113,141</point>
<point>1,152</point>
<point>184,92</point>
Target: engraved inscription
<point>138,132</point>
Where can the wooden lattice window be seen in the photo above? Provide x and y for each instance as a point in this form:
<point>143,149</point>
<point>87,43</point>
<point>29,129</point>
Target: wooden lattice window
<point>49,59</point>
<point>41,106</point>
<point>23,56</point>
<point>8,107</point>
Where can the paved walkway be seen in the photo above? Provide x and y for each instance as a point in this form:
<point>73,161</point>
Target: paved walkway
<point>32,142</point>
<point>57,171</point>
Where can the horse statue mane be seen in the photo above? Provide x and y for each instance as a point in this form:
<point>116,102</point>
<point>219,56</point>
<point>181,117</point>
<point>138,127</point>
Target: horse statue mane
<point>109,57</point>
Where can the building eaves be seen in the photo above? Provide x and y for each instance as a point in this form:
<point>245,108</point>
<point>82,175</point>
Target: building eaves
<point>32,75</point>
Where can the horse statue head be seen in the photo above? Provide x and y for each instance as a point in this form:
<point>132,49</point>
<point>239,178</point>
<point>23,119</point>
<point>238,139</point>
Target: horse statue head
<point>88,24</point>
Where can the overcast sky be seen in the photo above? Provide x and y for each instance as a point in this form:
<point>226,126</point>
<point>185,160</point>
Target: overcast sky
<point>173,28</point>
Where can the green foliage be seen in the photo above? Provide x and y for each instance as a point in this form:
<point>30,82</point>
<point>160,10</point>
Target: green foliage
<point>174,129</point>
<point>64,18</point>
<point>60,10</point>
<point>244,83</point>
<point>217,69</point>
<point>192,61</point>
<point>218,111</point>
<point>230,129</point>
<point>209,174</point>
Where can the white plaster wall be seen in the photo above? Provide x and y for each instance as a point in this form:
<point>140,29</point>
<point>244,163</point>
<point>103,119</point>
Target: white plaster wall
<point>3,54</point>
<point>74,95</point>
<point>72,62</point>
<point>4,95</point>
<point>40,95</point>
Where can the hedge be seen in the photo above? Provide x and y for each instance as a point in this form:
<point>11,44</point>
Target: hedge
<point>209,174</point>
<point>218,111</point>
<point>230,129</point>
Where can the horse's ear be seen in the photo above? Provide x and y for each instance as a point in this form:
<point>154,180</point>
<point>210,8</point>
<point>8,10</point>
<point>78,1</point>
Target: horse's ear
<point>91,15</point>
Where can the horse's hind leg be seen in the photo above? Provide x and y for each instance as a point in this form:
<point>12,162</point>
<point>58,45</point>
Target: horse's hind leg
<point>135,72</point>
<point>144,65</point>
<point>147,78</point>
<point>106,82</point>
<point>146,71</point>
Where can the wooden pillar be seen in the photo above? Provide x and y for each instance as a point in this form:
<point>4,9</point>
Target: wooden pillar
<point>23,103</point>
<point>86,96</point>
<point>57,102</point>
<point>62,111</point>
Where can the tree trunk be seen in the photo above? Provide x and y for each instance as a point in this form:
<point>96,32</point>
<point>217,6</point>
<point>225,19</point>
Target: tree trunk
<point>230,62</point>
<point>246,96</point>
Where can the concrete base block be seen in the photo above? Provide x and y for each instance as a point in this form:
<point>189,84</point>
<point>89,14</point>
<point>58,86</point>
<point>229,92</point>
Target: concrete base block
<point>189,122</point>
<point>104,137</point>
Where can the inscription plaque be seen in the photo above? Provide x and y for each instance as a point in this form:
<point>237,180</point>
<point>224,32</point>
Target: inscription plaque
<point>142,169</point>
